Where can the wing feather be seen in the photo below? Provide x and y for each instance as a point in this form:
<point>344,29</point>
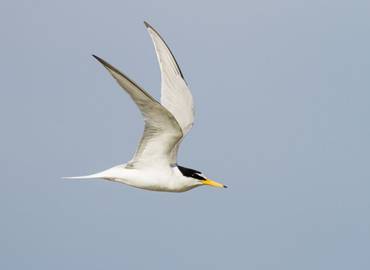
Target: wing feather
<point>175,94</point>
<point>162,131</point>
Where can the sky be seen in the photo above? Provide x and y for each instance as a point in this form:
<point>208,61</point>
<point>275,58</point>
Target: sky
<point>282,117</point>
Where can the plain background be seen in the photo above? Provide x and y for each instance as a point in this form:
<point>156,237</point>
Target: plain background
<point>282,98</point>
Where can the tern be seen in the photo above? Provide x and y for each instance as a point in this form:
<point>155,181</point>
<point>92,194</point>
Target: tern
<point>154,165</point>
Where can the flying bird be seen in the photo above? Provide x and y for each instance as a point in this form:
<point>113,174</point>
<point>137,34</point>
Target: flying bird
<point>154,165</point>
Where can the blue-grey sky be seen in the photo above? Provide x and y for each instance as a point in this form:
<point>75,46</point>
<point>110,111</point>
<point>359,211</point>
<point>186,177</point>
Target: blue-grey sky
<point>282,92</point>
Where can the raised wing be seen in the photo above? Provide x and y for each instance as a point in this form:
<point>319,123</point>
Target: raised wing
<point>161,133</point>
<point>175,94</point>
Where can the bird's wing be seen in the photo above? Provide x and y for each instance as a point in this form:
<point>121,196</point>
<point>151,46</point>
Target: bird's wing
<point>175,94</point>
<point>161,133</point>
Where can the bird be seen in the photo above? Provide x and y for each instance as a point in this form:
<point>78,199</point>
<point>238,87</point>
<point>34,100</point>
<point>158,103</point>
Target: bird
<point>154,165</point>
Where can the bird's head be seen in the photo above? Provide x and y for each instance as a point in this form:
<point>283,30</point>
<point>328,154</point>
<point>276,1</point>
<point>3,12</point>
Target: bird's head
<point>199,178</point>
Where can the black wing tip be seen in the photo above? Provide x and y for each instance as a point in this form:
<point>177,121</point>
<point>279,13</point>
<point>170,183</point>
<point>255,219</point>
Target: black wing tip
<point>147,25</point>
<point>106,64</point>
<point>97,57</point>
<point>101,61</point>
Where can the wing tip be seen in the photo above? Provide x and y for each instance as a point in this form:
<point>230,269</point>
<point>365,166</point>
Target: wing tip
<point>105,63</point>
<point>97,58</point>
<point>151,28</point>
<point>147,25</point>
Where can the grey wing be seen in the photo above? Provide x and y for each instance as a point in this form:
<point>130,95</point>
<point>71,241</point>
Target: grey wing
<point>162,131</point>
<point>175,93</point>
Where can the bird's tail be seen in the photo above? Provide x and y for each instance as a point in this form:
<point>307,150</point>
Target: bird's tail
<point>91,176</point>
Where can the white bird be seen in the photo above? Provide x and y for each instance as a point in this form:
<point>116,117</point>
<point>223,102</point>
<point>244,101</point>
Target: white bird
<point>154,165</point>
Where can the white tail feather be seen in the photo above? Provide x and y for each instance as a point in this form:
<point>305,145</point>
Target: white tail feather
<point>91,176</point>
<point>107,174</point>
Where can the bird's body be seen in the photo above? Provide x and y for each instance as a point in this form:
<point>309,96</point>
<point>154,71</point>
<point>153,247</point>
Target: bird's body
<point>154,165</point>
<point>168,179</point>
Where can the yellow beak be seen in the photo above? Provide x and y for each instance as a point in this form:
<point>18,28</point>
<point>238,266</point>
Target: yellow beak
<point>213,183</point>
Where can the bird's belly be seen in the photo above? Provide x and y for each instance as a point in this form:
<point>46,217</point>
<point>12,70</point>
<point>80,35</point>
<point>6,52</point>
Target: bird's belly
<point>148,181</point>
<point>154,185</point>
